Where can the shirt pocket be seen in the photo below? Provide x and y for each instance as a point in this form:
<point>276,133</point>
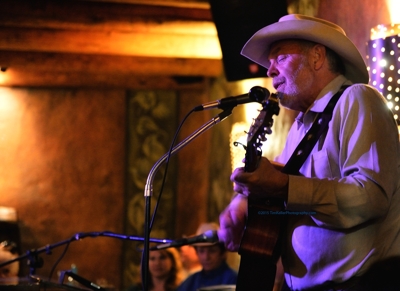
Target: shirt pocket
<point>320,166</point>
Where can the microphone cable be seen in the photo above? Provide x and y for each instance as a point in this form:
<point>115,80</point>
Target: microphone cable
<point>166,168</point>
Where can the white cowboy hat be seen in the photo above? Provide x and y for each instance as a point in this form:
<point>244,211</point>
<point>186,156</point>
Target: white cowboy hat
<point>297,26</point>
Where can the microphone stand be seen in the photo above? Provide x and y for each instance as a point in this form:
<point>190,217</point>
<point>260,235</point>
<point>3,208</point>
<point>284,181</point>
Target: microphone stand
<point>33,255</point>
<point>148,191</point>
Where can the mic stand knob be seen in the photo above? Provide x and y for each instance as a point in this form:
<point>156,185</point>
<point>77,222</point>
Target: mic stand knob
<point>34,262</point>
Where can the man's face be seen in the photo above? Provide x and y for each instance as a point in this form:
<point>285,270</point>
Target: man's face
<point>210,257</point>
<point>290,66</point>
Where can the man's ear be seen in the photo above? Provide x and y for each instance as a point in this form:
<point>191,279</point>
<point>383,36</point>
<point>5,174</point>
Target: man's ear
<point>318,55</point>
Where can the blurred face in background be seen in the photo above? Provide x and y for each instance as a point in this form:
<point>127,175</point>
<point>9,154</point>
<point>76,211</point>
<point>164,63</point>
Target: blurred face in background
<point>210,257</point>
<point>160,264</point>
<point>188,256</point>
<point>8,273</point>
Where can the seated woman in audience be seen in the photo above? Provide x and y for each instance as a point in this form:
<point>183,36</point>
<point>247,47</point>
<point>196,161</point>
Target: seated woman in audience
<point>164,271</point>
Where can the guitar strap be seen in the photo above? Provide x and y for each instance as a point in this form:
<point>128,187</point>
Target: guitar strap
<point>308,142</point>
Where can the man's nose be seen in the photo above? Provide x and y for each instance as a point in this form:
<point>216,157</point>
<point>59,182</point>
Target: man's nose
<point>272,71</point>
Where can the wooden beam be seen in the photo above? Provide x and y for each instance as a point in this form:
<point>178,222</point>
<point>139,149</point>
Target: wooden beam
<point>16,78</point>
<point>108,28</point>
<point>108,64</point>
<point>171,3</point>
<point>87,43</point>
<point>92,15</point>
<point>118,43</point>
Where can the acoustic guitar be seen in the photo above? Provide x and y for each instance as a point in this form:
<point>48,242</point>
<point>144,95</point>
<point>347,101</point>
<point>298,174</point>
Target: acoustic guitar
<point>260,244</point>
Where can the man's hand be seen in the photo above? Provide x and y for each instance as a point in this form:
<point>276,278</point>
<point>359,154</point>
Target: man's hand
<point>265,181</point>
<point>232,223</point>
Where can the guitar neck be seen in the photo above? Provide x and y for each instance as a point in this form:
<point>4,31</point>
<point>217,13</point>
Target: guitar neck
<point>260,245</point>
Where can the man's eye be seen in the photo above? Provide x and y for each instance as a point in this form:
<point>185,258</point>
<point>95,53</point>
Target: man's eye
<point>280,59</point>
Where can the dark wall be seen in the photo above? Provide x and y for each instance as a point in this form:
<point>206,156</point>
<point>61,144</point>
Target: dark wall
<point>236,21</point>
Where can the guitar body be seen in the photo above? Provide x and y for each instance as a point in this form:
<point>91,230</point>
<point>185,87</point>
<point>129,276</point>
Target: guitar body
<point>260,245</point>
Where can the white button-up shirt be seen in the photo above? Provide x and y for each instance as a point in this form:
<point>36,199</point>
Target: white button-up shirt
<point>344,209</point>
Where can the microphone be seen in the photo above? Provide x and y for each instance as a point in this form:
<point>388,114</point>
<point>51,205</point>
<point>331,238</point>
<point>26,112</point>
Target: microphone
<point>256,94</point>
<point>81,280</point>
<point>210,236</point>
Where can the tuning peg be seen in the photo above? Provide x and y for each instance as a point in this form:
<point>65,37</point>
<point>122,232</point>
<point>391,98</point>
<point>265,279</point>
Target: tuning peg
<point>236,143</point>
<point>268,130</point>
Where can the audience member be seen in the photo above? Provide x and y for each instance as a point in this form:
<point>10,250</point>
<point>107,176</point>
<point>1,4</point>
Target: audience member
<point>212,256</point>
<point>164,271</point>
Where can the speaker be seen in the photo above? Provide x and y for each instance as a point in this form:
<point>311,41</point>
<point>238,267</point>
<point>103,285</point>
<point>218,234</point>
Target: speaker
<point>236,21</point>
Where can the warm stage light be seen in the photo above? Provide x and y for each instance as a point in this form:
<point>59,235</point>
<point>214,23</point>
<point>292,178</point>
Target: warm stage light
<point>384,63</point>
<point>8,103</point>
<point>10,114</point>
<point>239,130</point>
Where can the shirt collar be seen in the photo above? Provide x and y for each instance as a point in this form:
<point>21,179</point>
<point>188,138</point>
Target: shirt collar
<point>327,93</point>
<point>322,100</point>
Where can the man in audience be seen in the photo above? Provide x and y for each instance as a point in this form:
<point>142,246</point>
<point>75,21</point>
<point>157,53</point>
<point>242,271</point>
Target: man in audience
<point>212,256</point>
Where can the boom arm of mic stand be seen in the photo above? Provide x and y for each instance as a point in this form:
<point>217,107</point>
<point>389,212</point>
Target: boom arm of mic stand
<point>148,191</point>
<point>33,254</point>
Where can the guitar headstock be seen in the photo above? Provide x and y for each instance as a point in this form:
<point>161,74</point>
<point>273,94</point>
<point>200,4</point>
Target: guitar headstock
<point>261,126</point>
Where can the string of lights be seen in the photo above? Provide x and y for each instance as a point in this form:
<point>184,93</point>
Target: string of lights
<point>384,64</point>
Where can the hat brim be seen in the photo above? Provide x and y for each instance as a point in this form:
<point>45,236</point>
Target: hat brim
<point>204,244</point>
<point>257,47</point>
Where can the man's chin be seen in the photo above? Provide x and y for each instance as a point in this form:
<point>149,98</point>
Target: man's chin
<point>208,268</point>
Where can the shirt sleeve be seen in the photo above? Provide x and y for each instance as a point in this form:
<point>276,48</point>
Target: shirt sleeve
<point>352,174</point>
